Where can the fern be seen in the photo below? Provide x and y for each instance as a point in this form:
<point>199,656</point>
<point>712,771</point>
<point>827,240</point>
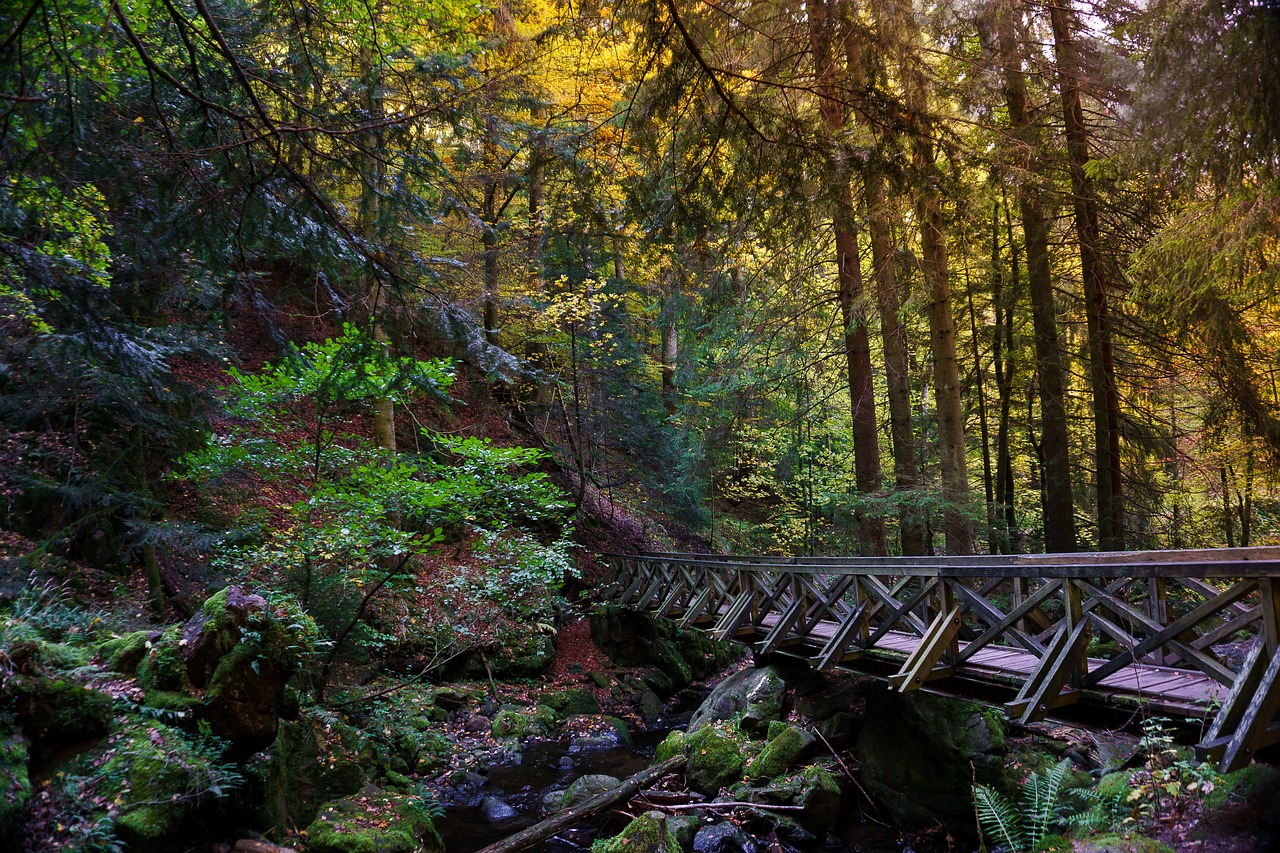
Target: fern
<point>999,819</point>
<point>1021,828</point>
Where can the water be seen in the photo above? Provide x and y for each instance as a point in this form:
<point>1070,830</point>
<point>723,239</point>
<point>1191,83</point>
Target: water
<point>544,766</point>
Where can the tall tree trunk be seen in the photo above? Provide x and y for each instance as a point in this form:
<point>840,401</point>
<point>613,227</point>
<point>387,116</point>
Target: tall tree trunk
<point>946,369</point>
<point>994,541</point>
<point>1059,512</point>
<point>1005,299</point>
<point>537,184</point>
<point>1093,267</point>
<point>826,15</point>
<point>670,354</point>
<point>369,219</point>
<point>894,344</point>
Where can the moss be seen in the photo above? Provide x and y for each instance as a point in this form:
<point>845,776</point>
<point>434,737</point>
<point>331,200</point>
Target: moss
<point>674,744</point>
<point>123,654</point>
<point>55,713</point>
<point>572,702</point>
<point>516,723</point>
<point>313,760</point>
<point>374,822</point>
<point>778,754</point>
<point>1258,781</point>
<point>646,834</point>
<point>1117,843</point>
<point>1053,844</point>
<point>715,758</point>
<point>15,783</point>
<point>1114,786</point>
<point>620,727</point>
<point>162,667</point>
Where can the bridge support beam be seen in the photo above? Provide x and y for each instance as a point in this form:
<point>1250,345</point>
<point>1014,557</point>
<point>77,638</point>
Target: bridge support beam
<point>920,666</point>
<point>1043,689</point>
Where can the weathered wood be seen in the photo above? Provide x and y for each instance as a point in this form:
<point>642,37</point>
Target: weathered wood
<point>857,611</point>
<point>569,817</point>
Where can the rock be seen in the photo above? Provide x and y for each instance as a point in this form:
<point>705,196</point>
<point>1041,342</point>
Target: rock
<point>314,760</point>
<point>249,845</point>
<point>595,731</point>
<point>15,783</point>
<point>677,656</point>
<point>519,723</point>
<point>671,746</point>
<point>374,822</point>
<point>478,723</point>
<point>684,828</point>
<point>921,753</point>
<point>585,787</point>
<point>722,838</point>
<point>813,788</point>
<point>755,693</point>
<point>157,778</point>
<point>55,715</point>
<point>783,750</point>
<point>123,654</point>
<point>236,654</point>
<point>646,834</point>
<point>572,702</point>
<point>495,810</point>
<point>715,759</point>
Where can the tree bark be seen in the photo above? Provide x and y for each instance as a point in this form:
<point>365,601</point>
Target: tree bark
<point>894,344</point>
<point>825,15</point>
<point>1059,511</point>
<point>1093,268</point>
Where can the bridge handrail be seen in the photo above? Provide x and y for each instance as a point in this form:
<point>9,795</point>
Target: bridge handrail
<point>1260,562</point>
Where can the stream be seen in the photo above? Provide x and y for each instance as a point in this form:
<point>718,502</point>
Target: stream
<point>508,798</point>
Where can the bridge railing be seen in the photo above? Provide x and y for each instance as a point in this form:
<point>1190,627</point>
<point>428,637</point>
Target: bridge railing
<point>1194,629</point>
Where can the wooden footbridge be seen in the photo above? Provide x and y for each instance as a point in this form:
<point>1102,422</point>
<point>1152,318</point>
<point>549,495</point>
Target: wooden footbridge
<point>1192,633</point>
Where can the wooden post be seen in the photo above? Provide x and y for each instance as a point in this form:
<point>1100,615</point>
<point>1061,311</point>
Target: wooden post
<point>1073,613</point>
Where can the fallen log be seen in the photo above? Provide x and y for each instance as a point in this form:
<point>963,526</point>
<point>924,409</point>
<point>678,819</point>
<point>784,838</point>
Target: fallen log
<point>561,821</point>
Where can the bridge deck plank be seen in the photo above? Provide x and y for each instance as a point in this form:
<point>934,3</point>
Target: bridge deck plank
<point>1160,684</point>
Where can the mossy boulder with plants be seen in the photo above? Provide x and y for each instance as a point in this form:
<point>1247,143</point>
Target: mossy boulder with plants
<point>55,714</point>
<point>579,791</point>
<point>375,821</point>
<point>236,654</point>
<point>671,746</point>
<point>157,776</point>
<point>15,783</point>
<point>315,759</point>
<point>522,722</point>
<point>715,757</point>
<point>572,702</point>
<point>646,834</point>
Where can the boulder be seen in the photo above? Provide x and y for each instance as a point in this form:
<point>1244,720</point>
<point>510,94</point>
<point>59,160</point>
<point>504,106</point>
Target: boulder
<point>313,760</point>
<point>236,654</point>
<point>722,838</point>
<point>646,834</point>
<point>580,790</point>
<point>755,693</point>
<point>495,810</point>
<point>813,788</point>
<point>921,754</point>
<point>56,715</point>
<point>715,758</point>
<point>374,821</point>
<point>785,749</point>
<point>124,653</point>
<point>671,657</point>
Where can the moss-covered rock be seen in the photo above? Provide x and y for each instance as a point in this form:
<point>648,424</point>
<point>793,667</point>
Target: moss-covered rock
<point>755,695</point>
<point>1255,783</point>
<point>572,702</point>
<point>921,753</point>
<point>585,787</point>
<point>671,746</point>
<point>124,653</point>
<point>314,760</point>
<point>15,783</point>
<point>782,751</point>
<point>646,834</point>
<point>520,722</point>
<point>815,789</point>
<point>715,758</point>
<point>672,657</point>
<point>56,714</point>
<point>158,776</point>
<point>374,821</point>
<point>237,654</point>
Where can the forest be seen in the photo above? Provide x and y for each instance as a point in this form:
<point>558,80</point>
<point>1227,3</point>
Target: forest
<point>398,314</point>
